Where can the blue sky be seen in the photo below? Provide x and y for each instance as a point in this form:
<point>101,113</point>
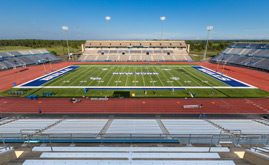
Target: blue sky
<point>134,19</point>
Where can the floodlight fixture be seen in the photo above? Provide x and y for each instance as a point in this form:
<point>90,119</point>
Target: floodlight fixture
<point>209,28</point>
<point>163,18</point>
<point>108,18</point>
<point>65,28</point>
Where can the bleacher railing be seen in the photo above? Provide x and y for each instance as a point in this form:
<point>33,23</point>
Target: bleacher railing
<point>213,139</point>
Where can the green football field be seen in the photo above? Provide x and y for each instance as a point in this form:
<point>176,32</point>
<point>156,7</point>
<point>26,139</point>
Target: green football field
<point>136,75</point>
<point>137,81</point>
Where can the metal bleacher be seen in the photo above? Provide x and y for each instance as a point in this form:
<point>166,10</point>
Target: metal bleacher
<point>15,59</point>
<point>139,130</point>
<point>245,54</point>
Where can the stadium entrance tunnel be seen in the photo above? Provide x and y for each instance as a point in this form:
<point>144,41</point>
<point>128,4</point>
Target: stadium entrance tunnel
<point>125,94</point>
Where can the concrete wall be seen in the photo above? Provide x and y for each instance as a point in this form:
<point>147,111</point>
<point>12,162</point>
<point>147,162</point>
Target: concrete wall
<point>256,158</point>
<point>7,156</point>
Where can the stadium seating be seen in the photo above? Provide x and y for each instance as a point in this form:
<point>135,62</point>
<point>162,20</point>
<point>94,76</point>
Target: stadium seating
<point>245,54</point>
<point>23,58</point>
<point>134,128</point>
<point>122,155</point>
<point>135,51</point>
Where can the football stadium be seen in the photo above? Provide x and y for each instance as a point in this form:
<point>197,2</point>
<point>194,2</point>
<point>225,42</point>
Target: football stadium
<point>158,99</point>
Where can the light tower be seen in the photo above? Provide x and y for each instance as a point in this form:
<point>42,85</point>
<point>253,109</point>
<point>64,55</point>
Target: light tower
<point>209,29</point>
<point>162,19</point>
<point>65,29</point>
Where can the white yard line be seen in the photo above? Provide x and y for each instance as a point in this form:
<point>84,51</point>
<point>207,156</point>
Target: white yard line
<point>112,76</point>
<point>158,75</point>
<point>144,84</point>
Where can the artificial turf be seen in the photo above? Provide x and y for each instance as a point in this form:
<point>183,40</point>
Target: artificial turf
<point>72,84</point>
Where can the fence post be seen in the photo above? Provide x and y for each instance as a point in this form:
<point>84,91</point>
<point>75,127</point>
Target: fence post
<point>189,140</point>
<point>51,148</point>
<point>267,140</point>
<point>211,141</point>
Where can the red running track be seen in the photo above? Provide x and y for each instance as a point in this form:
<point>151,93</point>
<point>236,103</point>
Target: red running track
<point>21,75</point>
<point>134,106</point>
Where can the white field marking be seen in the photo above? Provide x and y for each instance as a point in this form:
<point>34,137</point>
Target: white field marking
<point>143,77</point>
<point>118,81</point>
<point>103,74</point>
<point>111,77</point>
<point>191,76</point>
<point>174,78</point>
<point>172,75</point>
<point>229,77</point>
<point>74,79</point>
<point>88,74</point>
<point>158,76</point>
<point>127,78</point>
<point>42,76</point>
<point>132,87</point>
<point>135,81</point>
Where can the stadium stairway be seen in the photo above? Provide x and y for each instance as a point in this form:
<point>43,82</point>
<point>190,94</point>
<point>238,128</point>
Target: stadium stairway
<point>52,125</point>
<point>106,127</point>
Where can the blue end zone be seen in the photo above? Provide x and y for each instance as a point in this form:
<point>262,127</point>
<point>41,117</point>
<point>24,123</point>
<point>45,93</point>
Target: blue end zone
<point>42,80</point>
<point>225,79</point>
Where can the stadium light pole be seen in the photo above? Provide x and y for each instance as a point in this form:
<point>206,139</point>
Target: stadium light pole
<point>209,29</point>
<point>107,20</point>
<point>162,19</point>
<point>65,29</point>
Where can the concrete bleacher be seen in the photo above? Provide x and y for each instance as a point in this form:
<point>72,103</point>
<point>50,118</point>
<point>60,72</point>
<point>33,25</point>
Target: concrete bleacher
<point>130,155</point>
<point>143,155</point>
<point>127,162</point>
<point>26,57</point>
<point>135,51</point>
<point>245,54</point>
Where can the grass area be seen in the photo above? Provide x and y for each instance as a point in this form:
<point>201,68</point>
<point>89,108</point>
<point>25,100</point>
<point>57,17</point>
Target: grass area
<point>138,76</point>
<point>188,93</point>
<point>13,48</point>
<point>198,55</point>
<point>57,50</point>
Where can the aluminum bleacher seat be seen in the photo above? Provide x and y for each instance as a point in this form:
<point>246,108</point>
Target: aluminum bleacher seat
<point>26,57</point>
<point>243,126</point>
<point>190,126</point>
<point>78,126</point>
<point>245,54</point>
